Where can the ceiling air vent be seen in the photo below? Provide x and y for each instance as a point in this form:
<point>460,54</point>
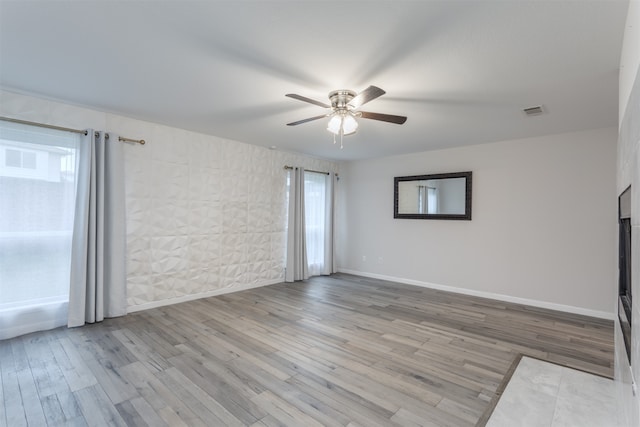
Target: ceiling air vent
<point>534,111</point>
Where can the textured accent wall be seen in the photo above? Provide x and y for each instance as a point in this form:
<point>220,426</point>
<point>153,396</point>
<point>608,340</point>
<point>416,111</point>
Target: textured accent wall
<point>205,215</point>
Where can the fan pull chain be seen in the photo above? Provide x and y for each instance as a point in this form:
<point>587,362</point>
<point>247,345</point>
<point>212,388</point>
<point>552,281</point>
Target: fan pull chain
<point>341,136</point>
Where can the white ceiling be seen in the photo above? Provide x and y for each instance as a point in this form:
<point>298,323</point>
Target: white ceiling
<point>462,71</point>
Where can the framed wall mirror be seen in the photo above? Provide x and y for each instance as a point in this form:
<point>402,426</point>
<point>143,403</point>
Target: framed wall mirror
<point>436,196</point>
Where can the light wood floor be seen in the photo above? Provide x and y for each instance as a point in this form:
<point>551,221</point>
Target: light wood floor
<point>339,350</point>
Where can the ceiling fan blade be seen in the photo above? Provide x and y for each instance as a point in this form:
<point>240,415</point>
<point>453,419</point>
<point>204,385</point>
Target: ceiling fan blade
<point>309,100</point>
<point>383,117</point>
<point>299,122</point>
<point>369,94</point>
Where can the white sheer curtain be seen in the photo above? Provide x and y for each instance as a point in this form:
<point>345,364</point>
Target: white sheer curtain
<point>98,275</point>
<point>296,267</point>
<point>38,176</point>
<point>315,226</point>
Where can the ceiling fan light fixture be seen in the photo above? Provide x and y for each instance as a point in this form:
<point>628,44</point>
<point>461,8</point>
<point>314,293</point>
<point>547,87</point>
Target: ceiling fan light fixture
<point>344,111</point>
<point>349,124</point>
<point>342,123</point>
<point>335,123</point>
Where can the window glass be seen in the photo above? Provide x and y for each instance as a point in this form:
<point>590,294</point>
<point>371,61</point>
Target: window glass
<point>28,160</point>
<point>13,158</point>
<point>314,216</point>
<point>36,216</point>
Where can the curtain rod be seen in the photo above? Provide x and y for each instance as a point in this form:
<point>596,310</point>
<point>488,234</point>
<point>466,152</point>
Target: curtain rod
<point>82,131</point>
<point>308,170</point>
<point>137,141</point>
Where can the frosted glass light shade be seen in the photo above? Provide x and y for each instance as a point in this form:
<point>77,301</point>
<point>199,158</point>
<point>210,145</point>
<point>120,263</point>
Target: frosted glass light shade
<point>334,124</point>
<point>349,125</point>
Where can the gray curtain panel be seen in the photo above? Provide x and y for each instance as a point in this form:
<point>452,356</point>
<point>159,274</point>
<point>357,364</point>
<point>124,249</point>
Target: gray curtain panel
<point>329,227</point>
<point>98,275</point>
<point>297,266</point>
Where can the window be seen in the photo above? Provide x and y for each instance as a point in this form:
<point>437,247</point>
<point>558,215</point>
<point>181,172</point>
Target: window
<point>427,200</point>
<point>314,211</point>
<point>318,225</point>
<point>432,200</point>
<point>20,159</point>
<point>36,225</point>
<point>13,158</point>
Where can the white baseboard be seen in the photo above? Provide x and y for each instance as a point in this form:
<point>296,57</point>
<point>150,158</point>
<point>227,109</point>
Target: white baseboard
<point>185,298</point>
<point>490,295</point>
<point>482,294</point>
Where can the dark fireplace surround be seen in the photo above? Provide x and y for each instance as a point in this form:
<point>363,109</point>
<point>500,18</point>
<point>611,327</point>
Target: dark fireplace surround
<point>625,299</point>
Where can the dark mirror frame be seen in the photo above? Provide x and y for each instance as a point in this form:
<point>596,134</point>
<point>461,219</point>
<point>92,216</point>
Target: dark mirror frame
<point>467,203</point>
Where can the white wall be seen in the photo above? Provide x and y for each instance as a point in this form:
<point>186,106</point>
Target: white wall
<point>543,227</point>
<point>205,215</point>
<point>628,173</point>
<point>630,56</point>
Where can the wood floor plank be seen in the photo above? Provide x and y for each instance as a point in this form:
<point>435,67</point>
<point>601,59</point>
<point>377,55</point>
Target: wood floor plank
<point>284,412</point>
<point>224,371</point>
<point>116,388</point>
<point>3,413</point>
<point>14,406</point>
<point>74,369</point>
<point>147,413</point>
<point>33,410</point>
<point>136,346</point>
<point>96,407</point>
<point>335,350</point>
<point>47,374</point>
<point>199,401</point>
<point>52,410</point>
<point>129,414</point>
<point>341,403</point>
<point>320,381</point>
<point>171,418</point>
<point>231,407</point>
<point>69,406</point>
<point>177,402</point>
<point>140,376</point>
<point>3,416</point>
